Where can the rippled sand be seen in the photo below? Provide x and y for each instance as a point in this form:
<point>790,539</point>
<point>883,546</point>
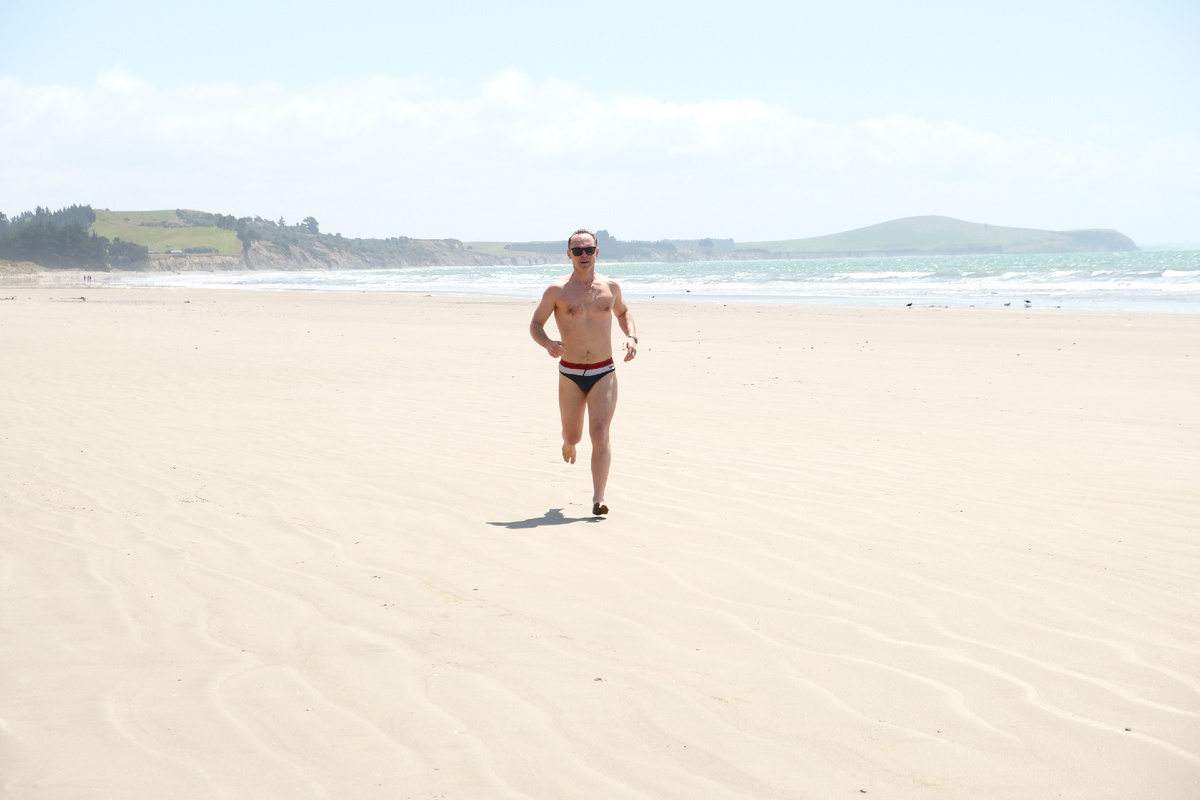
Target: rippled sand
<point>260,545</point>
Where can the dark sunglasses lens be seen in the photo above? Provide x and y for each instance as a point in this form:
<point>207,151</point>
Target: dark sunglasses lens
<point>578,251</point>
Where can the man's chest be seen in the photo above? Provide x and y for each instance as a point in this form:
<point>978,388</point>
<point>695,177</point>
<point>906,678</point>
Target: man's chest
<point>595,301</point>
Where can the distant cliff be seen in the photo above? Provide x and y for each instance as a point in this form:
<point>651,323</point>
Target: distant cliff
<point>911,236</point>
<point>321,253</point>
<point>185,240</point>
<point>268,246</point>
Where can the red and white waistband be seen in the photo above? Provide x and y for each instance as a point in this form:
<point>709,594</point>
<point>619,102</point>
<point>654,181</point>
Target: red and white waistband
<point>599,368</point>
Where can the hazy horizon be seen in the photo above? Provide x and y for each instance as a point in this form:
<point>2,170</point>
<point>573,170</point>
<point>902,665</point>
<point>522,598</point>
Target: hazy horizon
<point>759,121</point>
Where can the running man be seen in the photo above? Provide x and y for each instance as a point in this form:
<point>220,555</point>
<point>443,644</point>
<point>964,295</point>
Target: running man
<point>583,306</point>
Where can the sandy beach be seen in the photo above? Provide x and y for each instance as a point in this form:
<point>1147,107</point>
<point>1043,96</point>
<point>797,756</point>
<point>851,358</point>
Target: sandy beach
<point>318,545</point>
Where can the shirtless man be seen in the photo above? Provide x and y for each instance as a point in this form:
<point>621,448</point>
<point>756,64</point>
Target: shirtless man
<point>583,306</point>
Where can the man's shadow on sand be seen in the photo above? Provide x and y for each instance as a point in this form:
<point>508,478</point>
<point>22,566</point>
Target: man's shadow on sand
<point>552,517</point>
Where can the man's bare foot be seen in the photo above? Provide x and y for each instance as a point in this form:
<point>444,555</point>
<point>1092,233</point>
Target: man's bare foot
<point>569,453</point>
<point>599,508</point>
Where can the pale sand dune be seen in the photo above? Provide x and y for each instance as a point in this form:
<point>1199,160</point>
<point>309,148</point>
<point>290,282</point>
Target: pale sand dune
<point>260,545</point>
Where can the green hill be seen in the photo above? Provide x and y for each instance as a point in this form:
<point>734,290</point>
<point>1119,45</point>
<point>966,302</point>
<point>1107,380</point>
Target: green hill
<point>941,235</point>
<point>165,231</point>
<point>185,239</point>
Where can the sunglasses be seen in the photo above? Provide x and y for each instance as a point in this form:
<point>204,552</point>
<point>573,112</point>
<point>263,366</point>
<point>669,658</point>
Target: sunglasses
<point>578,251</point>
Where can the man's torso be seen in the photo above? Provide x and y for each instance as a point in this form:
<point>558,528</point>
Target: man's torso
<point>583,313</point>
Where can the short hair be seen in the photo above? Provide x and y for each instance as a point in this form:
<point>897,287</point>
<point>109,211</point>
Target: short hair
<point>582,230</point>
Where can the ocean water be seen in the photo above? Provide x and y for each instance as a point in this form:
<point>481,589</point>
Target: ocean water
<point>1140,281</point>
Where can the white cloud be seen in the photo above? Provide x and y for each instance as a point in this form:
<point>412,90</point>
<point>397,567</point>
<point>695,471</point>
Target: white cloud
<point>520,158</point>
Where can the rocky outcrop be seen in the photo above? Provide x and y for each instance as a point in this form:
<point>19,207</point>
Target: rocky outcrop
<point>320,254</point>
<point>191,262</point>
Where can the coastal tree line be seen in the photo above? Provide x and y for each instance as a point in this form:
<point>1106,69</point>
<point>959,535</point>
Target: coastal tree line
<point>61,240</point>
<point>306,237</point>
<point>251,229</point>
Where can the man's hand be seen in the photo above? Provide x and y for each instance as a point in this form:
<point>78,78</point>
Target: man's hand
<point>555,349</point>
<point>630,349</point>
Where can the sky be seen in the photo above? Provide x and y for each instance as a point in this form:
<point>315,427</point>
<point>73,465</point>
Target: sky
<point>524,120</point>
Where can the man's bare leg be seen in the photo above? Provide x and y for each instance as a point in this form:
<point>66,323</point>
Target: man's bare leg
<point>571,405</point>
<point>601,406</point>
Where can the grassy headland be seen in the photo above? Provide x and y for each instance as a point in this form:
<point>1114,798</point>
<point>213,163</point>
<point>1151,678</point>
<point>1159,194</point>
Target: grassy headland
<point>940,236</point>
<point>184,239</point>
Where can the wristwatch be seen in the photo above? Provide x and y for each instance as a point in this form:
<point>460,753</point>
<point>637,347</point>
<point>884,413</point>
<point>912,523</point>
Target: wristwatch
<point>632,336</point>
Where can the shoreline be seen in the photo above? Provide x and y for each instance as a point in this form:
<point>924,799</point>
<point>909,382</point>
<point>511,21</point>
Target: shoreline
<point>453,287</point>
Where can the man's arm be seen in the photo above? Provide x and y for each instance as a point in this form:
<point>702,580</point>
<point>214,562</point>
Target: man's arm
<point>541,315</point>
<point>625,320</point>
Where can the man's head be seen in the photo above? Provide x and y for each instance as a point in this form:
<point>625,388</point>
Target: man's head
<point>582,235</point>
<point>578,244</point>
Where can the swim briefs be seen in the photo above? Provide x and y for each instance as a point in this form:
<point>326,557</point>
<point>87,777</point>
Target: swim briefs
<point>586,375</point>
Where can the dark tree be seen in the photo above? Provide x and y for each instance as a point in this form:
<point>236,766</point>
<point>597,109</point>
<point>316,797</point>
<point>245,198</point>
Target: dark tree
<point>311,226</point>
<point>55,247</point>
<point>127,255</point>
<point>246,234</point>
<point>72,216</point>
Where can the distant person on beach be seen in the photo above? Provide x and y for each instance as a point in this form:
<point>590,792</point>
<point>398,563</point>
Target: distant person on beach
<point>583,305</point>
